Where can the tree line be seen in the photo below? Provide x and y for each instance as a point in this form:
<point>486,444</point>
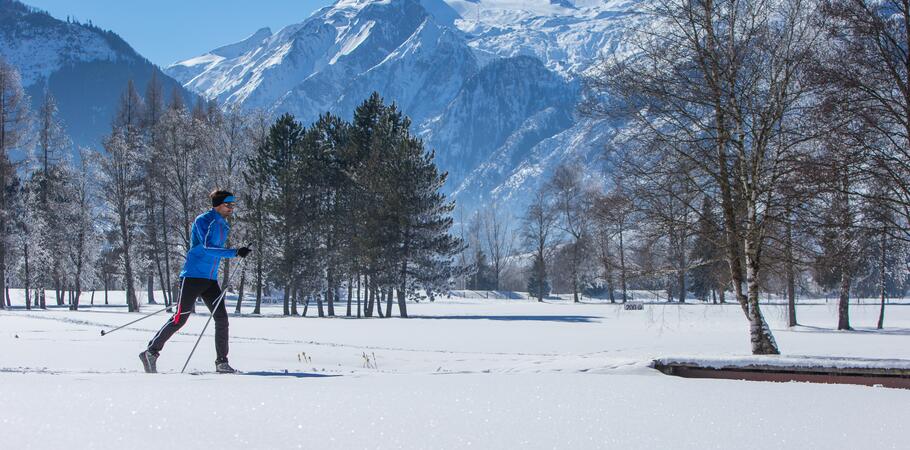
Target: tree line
<point>330,208</point>
<point>764,149</point>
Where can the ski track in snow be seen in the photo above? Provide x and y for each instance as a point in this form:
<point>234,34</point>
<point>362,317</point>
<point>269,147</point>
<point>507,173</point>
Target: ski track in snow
<point>523,362</point>
<point>287,341</point>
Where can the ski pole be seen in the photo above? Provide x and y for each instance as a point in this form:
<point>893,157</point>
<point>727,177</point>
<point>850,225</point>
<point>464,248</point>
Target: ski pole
<point>105,333</point>
<point>227,285</point>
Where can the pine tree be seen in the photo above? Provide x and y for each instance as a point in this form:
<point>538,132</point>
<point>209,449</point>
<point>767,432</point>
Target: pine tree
<point>330,137</point>
<point>274,166</point>
<point>707,255</point>
<point>360,205</point>
<point>426,248</point>
<point>370,136</point>
<point>401,238</point>
<point>482,276</point>
<point>538,286</point>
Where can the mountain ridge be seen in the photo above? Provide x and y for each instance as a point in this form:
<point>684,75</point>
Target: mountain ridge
<point>84,67</point>
<point>489,84</point>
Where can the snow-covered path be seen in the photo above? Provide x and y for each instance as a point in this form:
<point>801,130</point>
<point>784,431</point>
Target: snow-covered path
<point>460,374</point>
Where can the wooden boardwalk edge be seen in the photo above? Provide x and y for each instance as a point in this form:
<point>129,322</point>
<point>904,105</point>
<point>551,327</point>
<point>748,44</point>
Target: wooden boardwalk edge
<point>891,378</point>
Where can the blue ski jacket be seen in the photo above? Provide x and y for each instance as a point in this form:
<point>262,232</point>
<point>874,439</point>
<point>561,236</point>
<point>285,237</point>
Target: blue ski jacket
<point>210,233</point>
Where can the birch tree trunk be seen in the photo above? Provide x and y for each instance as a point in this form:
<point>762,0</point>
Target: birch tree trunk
<point>882,280</point>
<point>791,272</point>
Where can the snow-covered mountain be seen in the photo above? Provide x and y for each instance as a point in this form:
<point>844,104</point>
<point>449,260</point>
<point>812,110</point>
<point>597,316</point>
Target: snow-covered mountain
<point>85,68</point>
<point>567,35</point>
<point>490,84</point>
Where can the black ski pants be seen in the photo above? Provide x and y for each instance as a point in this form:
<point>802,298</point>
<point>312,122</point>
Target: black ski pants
<point>190,290</point>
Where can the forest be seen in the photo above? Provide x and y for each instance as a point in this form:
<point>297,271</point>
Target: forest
<point>760,148</point>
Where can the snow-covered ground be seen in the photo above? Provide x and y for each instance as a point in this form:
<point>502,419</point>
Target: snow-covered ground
<point>461,373</point>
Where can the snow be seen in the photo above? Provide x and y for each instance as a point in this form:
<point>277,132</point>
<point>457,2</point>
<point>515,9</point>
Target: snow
<point>350,43</point>
<point>37,52</point>
<point>567,38</point>
<point>469,8</point>
<point>206,59</point>
<point>463,372</point>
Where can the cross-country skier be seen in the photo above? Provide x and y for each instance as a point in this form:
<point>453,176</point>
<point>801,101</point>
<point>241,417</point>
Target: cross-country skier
<point>200,279</point>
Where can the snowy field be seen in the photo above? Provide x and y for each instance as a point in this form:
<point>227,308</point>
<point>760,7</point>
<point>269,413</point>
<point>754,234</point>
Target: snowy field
<point>462,373</point>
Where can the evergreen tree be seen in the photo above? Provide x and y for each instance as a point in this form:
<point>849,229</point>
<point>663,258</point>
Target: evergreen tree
<point>330,138</point>
<point>707,255</point>
<point>409,228</point>
<point>538,286</point>
<point>426,248</point>
<point>482,277</point>
<point>361,205</point>
<point>373,133</point>
<point>275,166</point>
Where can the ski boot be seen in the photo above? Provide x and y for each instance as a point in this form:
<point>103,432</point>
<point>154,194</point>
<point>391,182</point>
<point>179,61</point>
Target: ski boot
<point>148,361</point>
<point>224,367</point>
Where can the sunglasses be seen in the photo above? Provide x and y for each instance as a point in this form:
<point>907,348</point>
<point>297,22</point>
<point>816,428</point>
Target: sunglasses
<point>230,205</point>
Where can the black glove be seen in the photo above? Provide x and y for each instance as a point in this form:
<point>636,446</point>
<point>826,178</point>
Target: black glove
<point>243,251</point>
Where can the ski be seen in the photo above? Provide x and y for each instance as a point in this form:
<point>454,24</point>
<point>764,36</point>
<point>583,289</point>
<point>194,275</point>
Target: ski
<point>212,372</point>
<point>282,373</point>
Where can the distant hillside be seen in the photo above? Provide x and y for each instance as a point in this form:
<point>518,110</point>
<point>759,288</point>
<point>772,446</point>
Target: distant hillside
<point>85,68</point>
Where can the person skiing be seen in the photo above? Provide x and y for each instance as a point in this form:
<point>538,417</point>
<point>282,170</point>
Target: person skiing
<point>199,277</point>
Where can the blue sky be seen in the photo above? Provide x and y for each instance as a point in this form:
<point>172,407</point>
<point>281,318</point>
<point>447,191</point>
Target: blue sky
<point>165,31</point>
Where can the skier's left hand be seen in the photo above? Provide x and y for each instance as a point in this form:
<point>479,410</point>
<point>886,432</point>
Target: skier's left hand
<point>243,251</point>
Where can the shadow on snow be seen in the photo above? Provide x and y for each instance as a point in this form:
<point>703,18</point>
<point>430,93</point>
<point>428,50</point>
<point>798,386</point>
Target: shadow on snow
<point>857,330</point>
<point>289,374</point>
<point>517,318</point>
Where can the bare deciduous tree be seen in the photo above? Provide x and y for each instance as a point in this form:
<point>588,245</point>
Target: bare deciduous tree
<point>13,126</point>
<point>573,216</point>
<point>863,74</point>
<point>538,228</point>
<point>121,184</point>
<point>499,240</point>
<point>718,84</point>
